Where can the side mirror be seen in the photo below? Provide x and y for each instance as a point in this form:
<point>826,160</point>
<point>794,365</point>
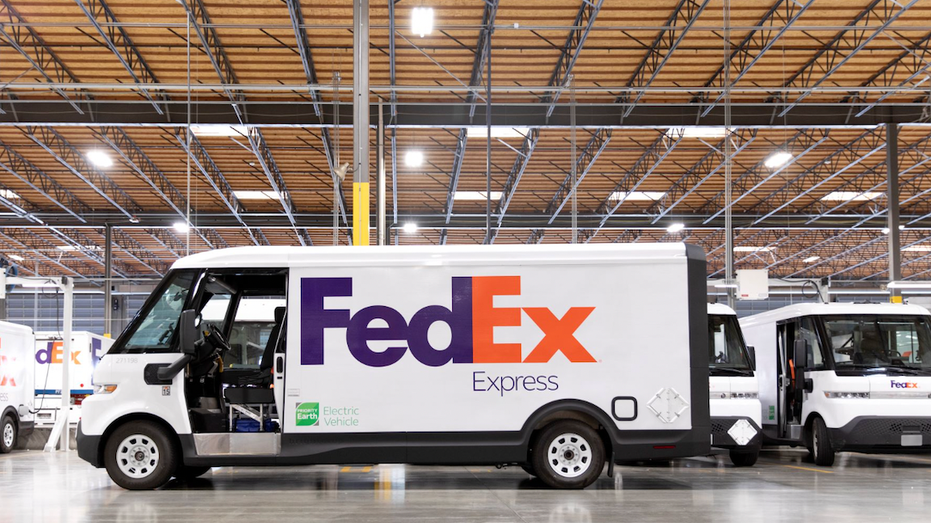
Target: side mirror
<point>751,353</point>
<point>800,356</point>
<point>188,332</point>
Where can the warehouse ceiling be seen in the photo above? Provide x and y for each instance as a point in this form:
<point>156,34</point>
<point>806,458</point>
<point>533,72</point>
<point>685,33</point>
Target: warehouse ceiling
<point>821,80</point>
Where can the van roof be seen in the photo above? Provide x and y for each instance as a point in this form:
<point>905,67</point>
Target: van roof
<point>720,309</point>
<point>14,327</point>
<point>825,309</point>
<point>243,257</point>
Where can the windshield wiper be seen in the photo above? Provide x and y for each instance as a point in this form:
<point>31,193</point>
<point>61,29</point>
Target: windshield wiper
<point>734,370</point>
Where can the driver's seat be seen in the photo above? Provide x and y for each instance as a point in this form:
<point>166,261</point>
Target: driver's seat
<point>260,393</point>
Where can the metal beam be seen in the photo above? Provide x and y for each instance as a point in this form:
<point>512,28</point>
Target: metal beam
<point>892,203</point>
<point>478,63</point>
<point>138,252</point>
<point>13,163</point>
<point>841,159</point>
<point>28,241</point>
<point>119,43</point>
<point>39,55</point>
<point>310,73</point>
<point>651,158</point>
<point>584,20</point>
<point>846,44</point>
<point>217,180</point>
<point>773,26</point>
<point>804,141</point>
<point>699,173</point>
<point>664,45</point>
<point>72,159</point>
<point>583,164</point>
<point>913,61</point>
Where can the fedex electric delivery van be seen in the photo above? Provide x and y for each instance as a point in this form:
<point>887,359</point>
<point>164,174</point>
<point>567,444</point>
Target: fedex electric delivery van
<point>844,377</point>
<point>555,358</point>
<point>16,388</point>
<point>734,392</point>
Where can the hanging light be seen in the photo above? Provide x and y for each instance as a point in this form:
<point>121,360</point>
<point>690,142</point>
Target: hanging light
<point>777,159</point>
<point>675,227</point>
<point>413,158</point>
<point>182,227</point>
<point>99,158</point>
<point>410,227</point>
<point>422,21</point>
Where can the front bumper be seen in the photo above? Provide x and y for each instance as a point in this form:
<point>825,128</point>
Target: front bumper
<point>722,435</point>
<point>88,448</point>
<point>883,435</point>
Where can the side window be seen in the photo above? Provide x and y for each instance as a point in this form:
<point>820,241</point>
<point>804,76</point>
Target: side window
<point>253,329</point>
<point>808,332</point>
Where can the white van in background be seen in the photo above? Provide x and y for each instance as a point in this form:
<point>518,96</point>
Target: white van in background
<point>556,358</point>
<point>16,388</point>
<point>734,391</point>
<point>844,377</point>
<point>86,350</point>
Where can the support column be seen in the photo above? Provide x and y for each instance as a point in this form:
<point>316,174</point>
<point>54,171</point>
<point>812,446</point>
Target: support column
<point>108,281</point>
<point>360,122</point>
<point>380,192</point>
<point>892,199</point>
<point>68,320</point>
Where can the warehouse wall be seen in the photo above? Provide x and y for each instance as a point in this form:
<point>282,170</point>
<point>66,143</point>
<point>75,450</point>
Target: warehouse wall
<point>43,311</point>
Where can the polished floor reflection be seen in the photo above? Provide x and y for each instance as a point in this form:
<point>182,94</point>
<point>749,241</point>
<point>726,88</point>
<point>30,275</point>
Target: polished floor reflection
<point>783,486</point>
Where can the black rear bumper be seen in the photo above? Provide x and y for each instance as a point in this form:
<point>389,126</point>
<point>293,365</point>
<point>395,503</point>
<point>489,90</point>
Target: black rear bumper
<point>88,447</point>
<point>721,438</point>
<point>882,435</point>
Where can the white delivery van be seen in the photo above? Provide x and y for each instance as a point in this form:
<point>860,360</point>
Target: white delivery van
<point>86,350</point>
<point>16,388</point>
<point>734,391</point>
<point>555,358</point>
<point>844,377</point>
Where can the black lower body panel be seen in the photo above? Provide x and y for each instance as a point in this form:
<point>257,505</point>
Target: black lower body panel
<point>720,437</point>
<point>882,435</point>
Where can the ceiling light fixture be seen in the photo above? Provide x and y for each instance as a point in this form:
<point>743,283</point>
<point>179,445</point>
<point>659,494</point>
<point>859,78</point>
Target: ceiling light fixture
<point>422,21</point>
<point>850,196</point>
<point>182,227</point>
<point>475,195</point>
<point>410,227</point>
<point>214,130</point>
<point>918,248</point>
<point>99,158</point>
<point>413,158</point>
<point>636,196</point>
<point>8,194</point>
<point>257,195</point>
<point>675,227</point>
<point>497,131</point>
<point>811,259</point>
<point>16,257</point>
<point>777,159</point>
<point>742,248</point>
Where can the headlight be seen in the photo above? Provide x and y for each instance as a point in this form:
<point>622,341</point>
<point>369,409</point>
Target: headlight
<point>847,395</point>
<point>104,389</point>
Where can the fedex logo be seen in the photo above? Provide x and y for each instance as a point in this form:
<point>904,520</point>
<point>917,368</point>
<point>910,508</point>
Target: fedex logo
<point>471,320</point>
<point>52,353</point>
<point>902,384</point>
<point>5,365</point>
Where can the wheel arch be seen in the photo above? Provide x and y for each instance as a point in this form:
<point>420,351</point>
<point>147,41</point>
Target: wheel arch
<point>136,416</point>
<point>571,409</point>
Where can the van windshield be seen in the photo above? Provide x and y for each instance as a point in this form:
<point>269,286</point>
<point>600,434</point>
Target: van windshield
<point>153,329</point>
<point>880,341</point>
<point>727,352</point>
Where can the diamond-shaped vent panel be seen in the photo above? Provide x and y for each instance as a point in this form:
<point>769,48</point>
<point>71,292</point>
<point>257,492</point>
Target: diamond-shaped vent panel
<point>742,432</point>
<point>668,405</point>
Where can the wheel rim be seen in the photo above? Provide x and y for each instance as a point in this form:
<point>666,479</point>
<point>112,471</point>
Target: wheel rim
<point>137,456</point>
<point>8,434</point>
<point>569,455</point>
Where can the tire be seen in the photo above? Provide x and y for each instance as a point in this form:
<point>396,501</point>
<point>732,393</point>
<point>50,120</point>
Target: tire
<point>9,433</point>
<point>744,458</point>
<point>185,472</point>
<point>140,455</point>
<point>568,455</point>
<point>821,451</point>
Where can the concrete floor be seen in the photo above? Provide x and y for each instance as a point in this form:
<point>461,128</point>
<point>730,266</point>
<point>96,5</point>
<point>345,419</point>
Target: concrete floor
<point>36,486</point>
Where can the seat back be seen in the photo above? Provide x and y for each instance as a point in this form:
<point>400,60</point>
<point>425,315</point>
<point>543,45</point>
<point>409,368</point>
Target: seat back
<point>268,357</point>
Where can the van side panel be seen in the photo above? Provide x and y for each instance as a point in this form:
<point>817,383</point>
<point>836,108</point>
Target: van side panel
<point>458,356</point>
<point>762,336</point>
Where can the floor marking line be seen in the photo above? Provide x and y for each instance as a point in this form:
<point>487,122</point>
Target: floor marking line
<point>808,469</point>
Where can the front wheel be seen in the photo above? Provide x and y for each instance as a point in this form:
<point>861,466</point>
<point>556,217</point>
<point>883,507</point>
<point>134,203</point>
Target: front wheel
<point>821,451</point>
<point>744,458</point>
<point>569,455</point>
<point>8,434</point>
<point>139,455</point>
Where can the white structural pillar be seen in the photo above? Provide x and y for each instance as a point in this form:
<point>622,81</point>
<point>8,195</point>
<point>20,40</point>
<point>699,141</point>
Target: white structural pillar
<point>68,309</point>
<point>360,122</point>
<point>892,199</point>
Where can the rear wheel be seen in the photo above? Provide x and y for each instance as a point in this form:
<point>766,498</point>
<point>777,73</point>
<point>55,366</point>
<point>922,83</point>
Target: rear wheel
<point>744,458</point>
<point>139,455</point>
<point>821,451</point>
<point>185,472</point>
<point>8,434</point>
<point>568,454</point>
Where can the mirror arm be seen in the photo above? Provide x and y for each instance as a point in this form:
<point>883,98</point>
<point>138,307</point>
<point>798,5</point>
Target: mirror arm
<point>169,372</point>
